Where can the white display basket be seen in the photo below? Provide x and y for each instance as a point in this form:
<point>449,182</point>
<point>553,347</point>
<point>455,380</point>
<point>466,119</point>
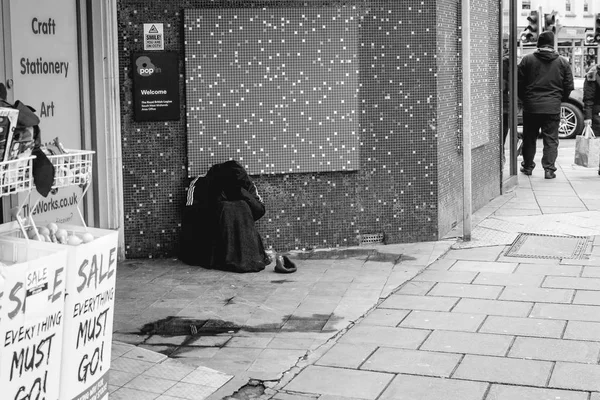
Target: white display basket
<point>72,168</point>
<point>16,176</point>
<point>33,283</point>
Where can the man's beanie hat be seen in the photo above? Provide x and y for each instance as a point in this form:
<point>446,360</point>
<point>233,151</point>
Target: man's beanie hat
<point>546,39</point>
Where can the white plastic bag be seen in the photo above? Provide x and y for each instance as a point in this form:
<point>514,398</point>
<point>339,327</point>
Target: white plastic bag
<point>587,149</point>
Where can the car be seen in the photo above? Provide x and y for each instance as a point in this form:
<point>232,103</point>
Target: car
<point>571,115</point>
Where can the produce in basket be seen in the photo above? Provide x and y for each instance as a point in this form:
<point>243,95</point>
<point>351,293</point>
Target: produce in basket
<point>55,234</point>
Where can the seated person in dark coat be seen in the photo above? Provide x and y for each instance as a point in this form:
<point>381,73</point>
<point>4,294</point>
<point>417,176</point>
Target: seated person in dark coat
<point>218,229</point>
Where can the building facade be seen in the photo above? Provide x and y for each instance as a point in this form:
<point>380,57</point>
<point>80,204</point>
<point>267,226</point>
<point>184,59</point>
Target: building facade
<point>401,175</point>
<point>351,128</point>
<point>576,25</point>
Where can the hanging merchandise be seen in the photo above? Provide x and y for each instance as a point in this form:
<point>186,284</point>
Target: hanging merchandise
<point>23,140</point>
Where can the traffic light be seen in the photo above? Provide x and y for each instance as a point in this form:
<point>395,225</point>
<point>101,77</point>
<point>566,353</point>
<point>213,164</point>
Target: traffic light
<point>589,38</point>
<point>550,22</point>
<point>597,29</point>
<point>531,33</point>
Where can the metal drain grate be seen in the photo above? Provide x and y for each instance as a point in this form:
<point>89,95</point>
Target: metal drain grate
<point>532,245</point>
<point>371,238</point>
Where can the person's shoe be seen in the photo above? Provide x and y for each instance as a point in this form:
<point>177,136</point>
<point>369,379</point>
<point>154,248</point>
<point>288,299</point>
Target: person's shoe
<point>525,171</point>
<point>284,265</point>
<point>549,174</point>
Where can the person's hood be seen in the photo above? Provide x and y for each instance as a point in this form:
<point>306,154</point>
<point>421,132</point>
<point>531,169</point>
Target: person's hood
<point>546,54</point>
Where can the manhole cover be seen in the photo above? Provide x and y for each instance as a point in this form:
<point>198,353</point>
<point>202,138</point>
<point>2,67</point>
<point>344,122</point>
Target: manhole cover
<point>533,245</point>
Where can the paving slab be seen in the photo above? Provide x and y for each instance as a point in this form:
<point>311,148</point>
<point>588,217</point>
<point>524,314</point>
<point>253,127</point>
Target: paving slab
<point>575,376</point>
<point>401,337</point>
<point>518,280</point>
<point>340,382</point>
<point>555,350</point>
<point>579,330</point>
<point>411,387</point>
<point>351,355</point>
<point>477,291</point>
<point>566,312</point>
<point>523,326</point>
<point>413,302</point>
<point>468,343</point>
<point>414,362</point>
<point>504,370</point>
<point>536,294</point>
<point>505,392</point>
<point>454,321</point>
<point>494,307</point>
<point>484,266</point>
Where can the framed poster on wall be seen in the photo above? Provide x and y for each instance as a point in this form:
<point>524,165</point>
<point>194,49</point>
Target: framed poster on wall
<point>156,86</point>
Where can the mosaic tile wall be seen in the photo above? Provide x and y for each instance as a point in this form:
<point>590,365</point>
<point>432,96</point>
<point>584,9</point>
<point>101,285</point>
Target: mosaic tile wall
<point>277,90</point>
<point>485,108</point>
<point>402,105</point>
<point>486,164</point>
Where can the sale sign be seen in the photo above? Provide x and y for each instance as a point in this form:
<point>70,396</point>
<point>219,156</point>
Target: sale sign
<point>32,291</point>
<point>89,310</point>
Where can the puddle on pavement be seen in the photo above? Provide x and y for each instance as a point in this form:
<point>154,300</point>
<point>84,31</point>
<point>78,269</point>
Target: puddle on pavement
<point>340,254</point>
<point>193,329</point>
<point>177,326</point>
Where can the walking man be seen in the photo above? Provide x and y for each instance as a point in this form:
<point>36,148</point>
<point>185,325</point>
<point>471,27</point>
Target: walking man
<point>545,80</point>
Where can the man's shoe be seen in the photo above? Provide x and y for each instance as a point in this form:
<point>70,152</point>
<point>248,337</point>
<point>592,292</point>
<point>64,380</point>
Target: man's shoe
<point>549,174</point>
<point>525,171</point>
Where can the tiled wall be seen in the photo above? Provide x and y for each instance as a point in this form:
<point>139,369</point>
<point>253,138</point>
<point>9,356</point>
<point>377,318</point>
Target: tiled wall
<point>408,137</point>
<point>485,112</point>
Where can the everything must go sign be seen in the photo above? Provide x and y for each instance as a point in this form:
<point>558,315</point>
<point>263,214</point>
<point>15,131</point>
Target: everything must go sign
<point>89,312</point>
<point>56,315</point>
<point>32,291</point>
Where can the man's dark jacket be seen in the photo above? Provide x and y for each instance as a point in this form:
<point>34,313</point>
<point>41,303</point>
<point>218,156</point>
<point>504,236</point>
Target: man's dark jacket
<point>545,80</point>
<point>591,98</point>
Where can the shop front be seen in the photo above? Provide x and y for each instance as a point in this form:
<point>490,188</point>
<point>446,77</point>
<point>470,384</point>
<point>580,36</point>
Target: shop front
<point>60,198</point>
<point>573,45</point>
<point>57,59</point>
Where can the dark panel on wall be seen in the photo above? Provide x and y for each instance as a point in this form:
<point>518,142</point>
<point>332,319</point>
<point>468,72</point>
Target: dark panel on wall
<point>393,191</point>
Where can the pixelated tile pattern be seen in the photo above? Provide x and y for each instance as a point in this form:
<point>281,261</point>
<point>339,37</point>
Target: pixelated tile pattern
<point>274,89</point>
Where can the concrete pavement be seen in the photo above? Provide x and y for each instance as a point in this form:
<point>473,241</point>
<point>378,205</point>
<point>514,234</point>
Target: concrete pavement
<point>484,319</point>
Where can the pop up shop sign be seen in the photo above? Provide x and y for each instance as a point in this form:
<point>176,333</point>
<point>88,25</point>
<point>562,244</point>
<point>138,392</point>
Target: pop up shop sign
<point>32,292</point>
<point>156,86</point>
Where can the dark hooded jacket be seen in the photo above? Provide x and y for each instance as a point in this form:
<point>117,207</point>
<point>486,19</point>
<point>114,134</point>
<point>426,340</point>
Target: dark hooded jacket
<point>217,229</point>
<point>545,80</point>
<point>591,98</point>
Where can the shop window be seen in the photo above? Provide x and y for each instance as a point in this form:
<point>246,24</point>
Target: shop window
<point>526,5</point>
